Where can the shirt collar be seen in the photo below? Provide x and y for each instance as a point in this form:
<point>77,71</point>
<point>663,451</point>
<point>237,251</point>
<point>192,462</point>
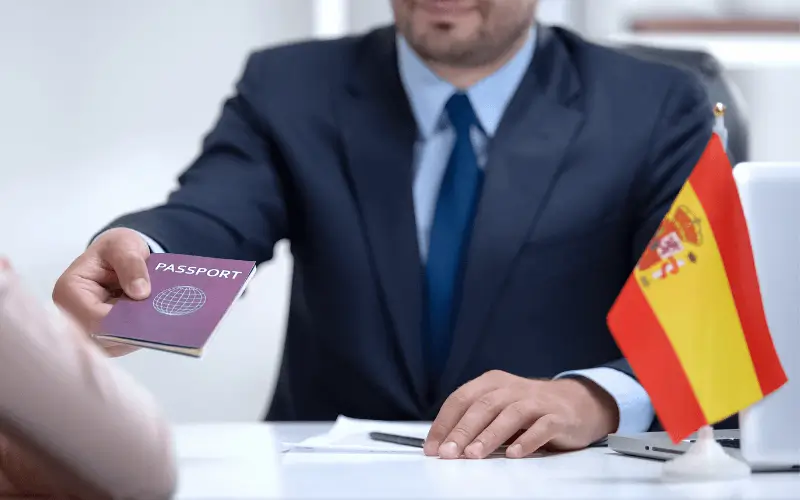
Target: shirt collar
<point>428,93</point>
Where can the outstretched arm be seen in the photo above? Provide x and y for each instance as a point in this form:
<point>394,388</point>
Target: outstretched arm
<point>231,202</point>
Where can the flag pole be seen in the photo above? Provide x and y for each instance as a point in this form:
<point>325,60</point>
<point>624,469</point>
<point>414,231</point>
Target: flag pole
<point>706,459</point>
<point>719,124</point>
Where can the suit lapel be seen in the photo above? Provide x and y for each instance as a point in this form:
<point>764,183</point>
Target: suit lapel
<point>525,157</point>
<point>379,133</point>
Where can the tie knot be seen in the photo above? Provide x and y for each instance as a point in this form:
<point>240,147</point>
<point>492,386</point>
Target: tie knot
<point>459,111</point>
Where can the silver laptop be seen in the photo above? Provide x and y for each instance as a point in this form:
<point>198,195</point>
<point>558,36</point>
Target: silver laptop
<point>769,434</point>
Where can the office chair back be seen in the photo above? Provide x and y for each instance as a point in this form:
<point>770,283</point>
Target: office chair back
<point>719,88</point>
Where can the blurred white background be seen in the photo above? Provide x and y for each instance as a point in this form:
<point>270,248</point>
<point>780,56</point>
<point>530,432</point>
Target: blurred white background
<point>103,102</point>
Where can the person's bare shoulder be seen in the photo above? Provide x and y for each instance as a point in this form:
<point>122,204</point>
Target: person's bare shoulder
<point>70,420</point>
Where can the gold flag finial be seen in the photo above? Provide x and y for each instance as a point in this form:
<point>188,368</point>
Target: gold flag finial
<point>719,110</point>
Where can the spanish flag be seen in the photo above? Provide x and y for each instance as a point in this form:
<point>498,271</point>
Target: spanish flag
<point>689,319</point>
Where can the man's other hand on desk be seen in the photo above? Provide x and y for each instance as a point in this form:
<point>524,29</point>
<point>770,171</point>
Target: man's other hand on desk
<point>113,264</point>
<point>499,408</point>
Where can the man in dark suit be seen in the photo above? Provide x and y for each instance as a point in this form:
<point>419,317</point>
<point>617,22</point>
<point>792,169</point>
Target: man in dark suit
<point>465,194</point>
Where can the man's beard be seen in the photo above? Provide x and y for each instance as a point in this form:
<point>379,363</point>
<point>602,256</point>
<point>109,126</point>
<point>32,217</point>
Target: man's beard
<point>481,49</point>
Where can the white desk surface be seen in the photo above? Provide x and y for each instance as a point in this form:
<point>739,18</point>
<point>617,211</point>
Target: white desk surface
<point>239,461</point>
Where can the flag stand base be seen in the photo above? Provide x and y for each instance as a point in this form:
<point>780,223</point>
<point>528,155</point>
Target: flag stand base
<point>705,460</point>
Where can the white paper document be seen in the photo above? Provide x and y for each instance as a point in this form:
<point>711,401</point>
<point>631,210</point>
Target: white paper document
<point>352,435</point>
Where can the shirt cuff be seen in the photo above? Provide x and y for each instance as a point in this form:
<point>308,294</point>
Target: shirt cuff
<point>635,410</point>
<point>153,244</point>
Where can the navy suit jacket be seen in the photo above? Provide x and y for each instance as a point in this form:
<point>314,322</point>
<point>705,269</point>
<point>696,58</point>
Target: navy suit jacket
<point>316,147</point>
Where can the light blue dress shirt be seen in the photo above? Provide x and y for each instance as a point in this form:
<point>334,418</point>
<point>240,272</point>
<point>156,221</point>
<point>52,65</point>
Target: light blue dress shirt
<point>428,94</point>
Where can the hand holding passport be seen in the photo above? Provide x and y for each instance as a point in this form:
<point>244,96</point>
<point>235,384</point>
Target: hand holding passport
<point>189,297</point>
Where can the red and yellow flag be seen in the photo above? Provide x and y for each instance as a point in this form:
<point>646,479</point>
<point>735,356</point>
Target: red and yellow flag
<point>690,319</point>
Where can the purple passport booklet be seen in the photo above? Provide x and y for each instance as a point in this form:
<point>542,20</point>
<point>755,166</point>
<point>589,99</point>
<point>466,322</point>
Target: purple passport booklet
<point>189,297</point>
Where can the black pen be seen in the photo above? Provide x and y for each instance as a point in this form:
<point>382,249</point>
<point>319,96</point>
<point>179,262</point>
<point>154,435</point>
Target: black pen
<point>395,439</point>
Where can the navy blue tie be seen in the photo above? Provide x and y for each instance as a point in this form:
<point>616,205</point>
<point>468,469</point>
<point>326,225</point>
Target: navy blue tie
<point>450,234</point>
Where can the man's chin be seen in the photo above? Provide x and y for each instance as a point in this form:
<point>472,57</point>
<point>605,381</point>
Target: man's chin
<point>444,49</point>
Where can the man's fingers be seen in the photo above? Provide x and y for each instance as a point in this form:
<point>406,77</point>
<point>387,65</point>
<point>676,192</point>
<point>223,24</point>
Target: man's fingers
<point>95,306</point>
<point>451,412</point>
<point>128,258</point>
<point>541,432</point>
<point>456,406</point>
<point>477,417</point>
<point>84,300</point>
<point>114,263</point>
<point>4,264</point>
<point>506,426</point>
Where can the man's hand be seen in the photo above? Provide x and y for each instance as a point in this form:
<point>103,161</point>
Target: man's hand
<point>112,265</point>
<point>498,407</point>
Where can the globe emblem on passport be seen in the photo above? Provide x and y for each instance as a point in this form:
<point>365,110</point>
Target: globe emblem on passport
<point>179,300</point>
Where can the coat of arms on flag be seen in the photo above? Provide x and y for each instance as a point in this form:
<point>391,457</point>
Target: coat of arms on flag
<point>674,245</point>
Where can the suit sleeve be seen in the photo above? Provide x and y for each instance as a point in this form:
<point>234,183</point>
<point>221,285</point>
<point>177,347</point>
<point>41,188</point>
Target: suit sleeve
<point>679,138</point>
<point>72,423</point>
<point>230,202</point>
